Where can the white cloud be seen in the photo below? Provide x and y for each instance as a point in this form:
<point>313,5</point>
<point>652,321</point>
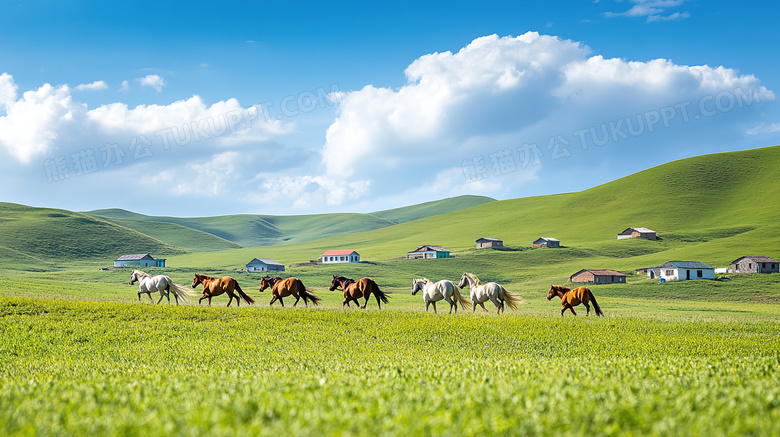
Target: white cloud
<point>94,86</point>
<point>152,80</point>
<point>764,129</point>
<point>654,10</point>
<point>31,123</point>
<point>125,86</point>
<point>499,93</point>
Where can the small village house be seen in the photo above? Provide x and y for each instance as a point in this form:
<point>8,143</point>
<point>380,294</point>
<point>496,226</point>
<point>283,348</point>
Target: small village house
<point>647,234</point>
<point>682,271</point>
<point>492,243</point>
<point>139,260</point>
<point>755,264</point>
<point>428,252</point>
<point>546,242</point>
<point>598,276</point>
<point>264,265</point>
<point>340,256</point>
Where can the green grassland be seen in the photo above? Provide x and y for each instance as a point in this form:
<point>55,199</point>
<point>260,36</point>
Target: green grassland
<point>88,368</point>
<point>81,356</point>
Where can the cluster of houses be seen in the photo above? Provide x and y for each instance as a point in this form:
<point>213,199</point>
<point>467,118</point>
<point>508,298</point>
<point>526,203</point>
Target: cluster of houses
<point>670,271</point>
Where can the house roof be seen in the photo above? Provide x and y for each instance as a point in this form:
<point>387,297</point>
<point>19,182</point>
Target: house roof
<point>488,239</point>
<point>265,261</point>
<point>601,272</point>
<point>640,230</point>
<point>758,259</point>
<point>548,239</point>
<point>134,257</point>
<point>337,252</point>
<point>428,247</point>
<point>686,265</point>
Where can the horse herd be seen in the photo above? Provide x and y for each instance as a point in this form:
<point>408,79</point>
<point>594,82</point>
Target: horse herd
<point>363,288</point>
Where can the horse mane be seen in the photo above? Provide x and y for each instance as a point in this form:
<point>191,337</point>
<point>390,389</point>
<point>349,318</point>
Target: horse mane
<point>345,279</point>
<point>476,279</point>
<point>144,274</point>
<point>560,288</point>
<point>210,278</point>
<point>423,279</point>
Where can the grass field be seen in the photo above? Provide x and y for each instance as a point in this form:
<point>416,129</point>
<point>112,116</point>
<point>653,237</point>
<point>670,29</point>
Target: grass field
<point>91,368</point>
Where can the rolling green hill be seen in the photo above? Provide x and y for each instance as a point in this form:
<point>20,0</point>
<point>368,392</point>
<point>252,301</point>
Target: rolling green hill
<point>40,237</point>
<point>711,208</point>
<point>247,230</point>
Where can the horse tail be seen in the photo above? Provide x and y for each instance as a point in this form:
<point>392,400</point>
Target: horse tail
<point>180,292</point>
<point>241,293</point>
<point>307,295</point>
<point>512,299</point>
<point>464,303</point>
<point>595,304</point>
<point>379,293</point>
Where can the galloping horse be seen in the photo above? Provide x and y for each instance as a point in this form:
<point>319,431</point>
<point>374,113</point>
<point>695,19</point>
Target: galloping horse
<point>288,287</point>
<point>571,298</point>
<point>434,292</point>
<point>481,293</point>
<point>354,290</point>
<point>160,283</point>
<point>214,287</point>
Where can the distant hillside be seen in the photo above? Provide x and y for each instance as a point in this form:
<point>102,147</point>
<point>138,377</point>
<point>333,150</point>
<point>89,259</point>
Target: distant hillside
<point>34,235</point>
<point>428,209</point>
<point>711,208</point>
<point>249,230</point>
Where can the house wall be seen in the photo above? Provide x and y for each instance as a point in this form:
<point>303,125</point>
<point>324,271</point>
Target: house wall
<point>588,277</point>
<point>137,263</point>
<point>750,266</point>
<point>682,274</point>
<point>583,277</point>
<point>353,258</point>
<point>488,244</point>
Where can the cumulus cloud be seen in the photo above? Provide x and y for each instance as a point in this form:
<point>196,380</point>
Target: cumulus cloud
<point>152,80</point>
<point>31,123</point>
<point>48,118</point>
<point>124,86</point>
<point>94,86</point>
<point>503,92</point>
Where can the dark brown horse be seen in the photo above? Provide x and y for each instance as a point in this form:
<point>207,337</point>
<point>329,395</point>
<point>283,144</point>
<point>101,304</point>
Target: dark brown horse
<point>354,290</point>
<point>571,298</point>
<point>214,287</point>
<point>288,287</point>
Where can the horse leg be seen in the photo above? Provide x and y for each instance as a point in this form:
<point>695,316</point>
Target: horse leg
<point>427,304</point>
<point>378,302</point>
<point>587,307</point>
<point>434,307</point>
<point>482,304</point>
<point>346,302</point>
<point>281,302</point>
<point>449,300</point>
<point>297,298</point>
<point>149,293</point>
<point>571,308</point>
<point>273,299</point>
<point>230,300</point>
<point>161,298</point>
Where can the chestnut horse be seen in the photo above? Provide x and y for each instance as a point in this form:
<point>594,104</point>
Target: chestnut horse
<point>354,290</point>
<point>214,287</point>
<point>571,298</point>
<point>288,287</point>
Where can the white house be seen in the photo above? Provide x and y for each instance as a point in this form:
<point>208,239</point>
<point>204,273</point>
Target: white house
<point>139,260</point>
<point>546,242</point>
<point>683,271</point>
<point>264,265</point>
<point>340,256</point>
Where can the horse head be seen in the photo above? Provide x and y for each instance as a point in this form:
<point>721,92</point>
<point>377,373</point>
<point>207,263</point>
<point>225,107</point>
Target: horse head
<point>198,280</point>
<point>556,290</point>
<point>464,280</point>
<point>134,277</point>
<point>416,285</point>
<point>336,282</point>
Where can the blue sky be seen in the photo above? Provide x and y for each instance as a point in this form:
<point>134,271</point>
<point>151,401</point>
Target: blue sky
<point>172,108</point>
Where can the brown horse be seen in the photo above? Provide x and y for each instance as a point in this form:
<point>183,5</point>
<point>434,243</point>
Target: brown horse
<point>571,298</point>
<point>214,287</point>
<point>288,287</point>
<point>354,290</point>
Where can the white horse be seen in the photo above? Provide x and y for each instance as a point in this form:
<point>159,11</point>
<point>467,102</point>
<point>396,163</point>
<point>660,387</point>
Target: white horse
<point>160,283</point>
<point>434,292</point>
<point>481,293</point>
